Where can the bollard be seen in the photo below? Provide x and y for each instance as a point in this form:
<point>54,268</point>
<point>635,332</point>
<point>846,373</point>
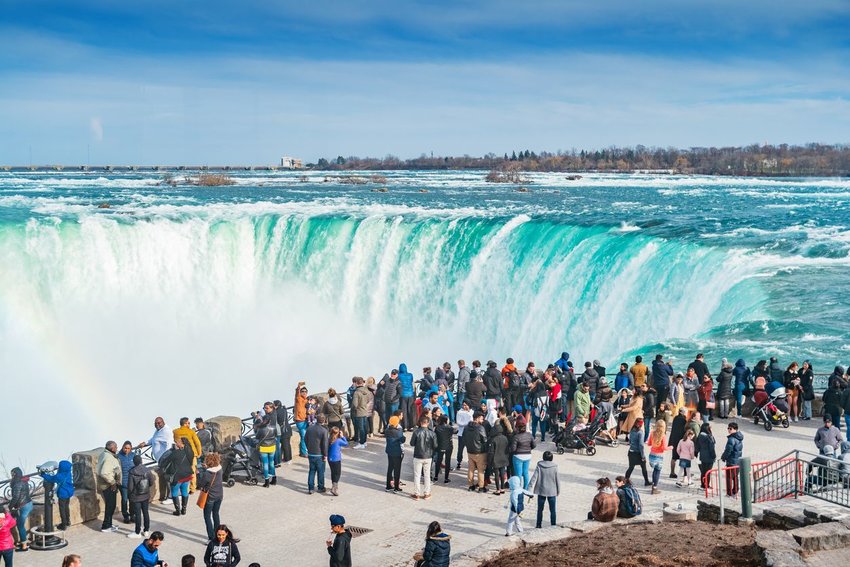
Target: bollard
<point>745,468</point>
<point>720,492</point>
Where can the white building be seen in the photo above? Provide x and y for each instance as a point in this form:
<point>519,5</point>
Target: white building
<point>291,163</point>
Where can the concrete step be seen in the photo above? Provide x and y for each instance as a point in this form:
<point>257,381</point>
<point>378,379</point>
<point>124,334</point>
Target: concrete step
<point>822,537</point>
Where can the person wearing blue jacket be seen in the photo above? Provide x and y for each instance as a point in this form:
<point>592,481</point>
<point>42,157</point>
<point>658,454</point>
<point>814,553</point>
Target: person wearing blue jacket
<point>125,457</point>
<point>563,362</point>
<point>743,381</point>
<point>732,457</point>
<point>147,554</point>
<point>64,481</point>
<point>408,396</point>
<point>623,379</point>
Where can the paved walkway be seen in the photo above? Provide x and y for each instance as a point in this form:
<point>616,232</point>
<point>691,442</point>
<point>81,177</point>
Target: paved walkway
<point>283,525</point>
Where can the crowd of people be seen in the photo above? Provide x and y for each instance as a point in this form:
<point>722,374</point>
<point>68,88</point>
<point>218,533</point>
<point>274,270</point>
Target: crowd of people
<point>495,417</point>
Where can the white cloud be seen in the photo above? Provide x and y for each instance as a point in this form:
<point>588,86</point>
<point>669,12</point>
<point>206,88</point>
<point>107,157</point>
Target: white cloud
<point>96,126</point>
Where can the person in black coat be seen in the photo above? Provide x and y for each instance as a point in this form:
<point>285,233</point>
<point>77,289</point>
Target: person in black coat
<point>445,447</point>
<point>677,433</point>
<point>283,451</point>
<point>222,550</point>
<point>706,451</point>
<point>438,548</point>
<point>339,548</point>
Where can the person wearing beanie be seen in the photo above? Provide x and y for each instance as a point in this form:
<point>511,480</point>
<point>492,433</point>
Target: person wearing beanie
<point>395,452</point>
<point>339,548</point>
<point>475,440</point>
<point>139,482</point>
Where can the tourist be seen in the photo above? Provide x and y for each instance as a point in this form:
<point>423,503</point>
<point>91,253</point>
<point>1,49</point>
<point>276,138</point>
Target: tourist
<point>336,441</point>
<point>568,385</point>
<point>339,548</point>
<point>408,396</point>
<point>316,439</point>
<point>828,434</point>
<point>392,394</point>
<point>497,453</point>
<point>628,499</point>
<point>464,417</point>
<point>538,395</point>
<point>283,448</point>
<point>528,376</point>
<point>493,381</point>
<point>556,402</point>
<point>300,411</point>
<point>609,426</point>
<point>845,405</point>
<point>546,485</point>
<point>699,367</point>
<point>685,451</point>
<point>211,483</point>
<point>743,383</point>
<point>691,384</point>
<point>760,375</point>
<point>125,458</point>
<point>360,412</point>
<point>732,457</point>
<point>222,550</point>
<point>807,386</point>
<point>176,465</point>
<point>662,375</point>
<point>438,548</point>
<point>837,378</point>
<point>69,561</point>
<point>639,372</point>
<point>511,383</point>
<point>832,404</point>
<point>372,389</point>
<point>707,399</point>
<point>446,402</point>
<point>677,433</point>
<point>445,447</point>
<point>636,453</point>
<point>623,379</point>
<point>395,452</point>
<point>624,398</point>
<point>147,553</point>
<point>582,401</point>
<point>724,390</point>
<point>189,561</point>
<point>775,371</point>
<point>463,377</point>
<point>140,480</point>
<point>704,449</point>
<point>265,431</point>
<point>205,436</point>
<point>191,439</point>
<point>649,407</point>
<point>160,441</point>
<point>64,481</point>
<point>7,540</point>
<point>108,481</point>
<point>475,389</point>
<point>516,505</point>
<point>791,381</point>
<point>633,411</point>
<point>591,378</point>
<point>676,397</point>
<point>332,410</point>
<point>605,503</point>
<point>520,449</point>
<point>426,383</point>
<point>424,443</point>
<point>475,440</point>
<point>20,505</point>
<point>657,445</point>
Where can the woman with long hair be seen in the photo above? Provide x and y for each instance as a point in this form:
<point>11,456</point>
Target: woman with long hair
<point>792,390</point>
<point>657,446</point>
<point>438,548</point>
<point>332,408</point>
<point>72,561</point>
<point>336,441</point>
<point>210,483</point>
<point>222,550</point>
<point>807,387</point>
<point>20,505</point>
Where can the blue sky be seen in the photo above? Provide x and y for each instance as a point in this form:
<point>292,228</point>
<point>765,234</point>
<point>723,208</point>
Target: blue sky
<point>246,82</point>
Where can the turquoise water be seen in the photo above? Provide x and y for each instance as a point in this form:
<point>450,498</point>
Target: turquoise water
<point>242,290</point>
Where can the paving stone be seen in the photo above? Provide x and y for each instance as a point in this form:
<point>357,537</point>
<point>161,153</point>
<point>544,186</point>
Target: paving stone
<point>782,558</point>
<point>831,535</point>
<point>776,539</point>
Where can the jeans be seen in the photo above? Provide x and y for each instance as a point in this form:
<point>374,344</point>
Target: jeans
<point>739,397</point>
<point>534,423</point>
<point>807,409</point>
<point>636,460</point>
<point>140,510</point>
<point>126,509</point>
<point>109,497</point>
<point>847,421</point>
<point>267,464</point>
<point>656,462</point>
<point>390,409</point>
<point>211,517</point>
<point>8,556</point>
<point>180,489</point>
<point>459,400</point>
<point>420,467</point>
<point>408,406</point>
<point>439,457</point>
<point>361,428</point>
<point>541,501</point>
<point>521,469</point>
<point>393,470</point>
<point>277,451</point>
<point>646,426</point>
<point>23,513</point>
<point>317,468</point>
<point>302,429</point>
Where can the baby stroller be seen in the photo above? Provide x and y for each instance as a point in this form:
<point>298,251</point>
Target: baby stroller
<point>242,458</point>
<point>771,408</point>
<point>581,440</point>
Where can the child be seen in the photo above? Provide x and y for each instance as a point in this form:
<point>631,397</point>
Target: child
<point>336,442</point>
<point>685,449</point>
<point>581,423</point>
<point>64,491</point>
<point>516,505</point>
<point>312,409</point>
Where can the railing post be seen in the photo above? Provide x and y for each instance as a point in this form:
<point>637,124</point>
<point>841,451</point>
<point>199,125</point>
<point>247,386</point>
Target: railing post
<point>720,492</point>
<point>745,470</point>
<point>797,486</point>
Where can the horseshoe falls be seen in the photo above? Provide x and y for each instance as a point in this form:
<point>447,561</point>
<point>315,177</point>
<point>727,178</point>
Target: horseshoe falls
<point>193,300</point>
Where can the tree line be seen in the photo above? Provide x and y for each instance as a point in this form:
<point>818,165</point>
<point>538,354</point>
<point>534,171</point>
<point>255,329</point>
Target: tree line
<point>755,160</point>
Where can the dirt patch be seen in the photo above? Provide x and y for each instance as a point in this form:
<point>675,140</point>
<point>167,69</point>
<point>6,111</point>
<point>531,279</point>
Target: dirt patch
<point>643,545</point>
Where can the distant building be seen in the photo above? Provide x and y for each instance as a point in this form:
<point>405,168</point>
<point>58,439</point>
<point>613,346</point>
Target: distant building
<point>287,162</point>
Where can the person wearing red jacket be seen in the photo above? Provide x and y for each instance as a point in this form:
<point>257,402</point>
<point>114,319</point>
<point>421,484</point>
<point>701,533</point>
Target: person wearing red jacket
<point>7,542</point>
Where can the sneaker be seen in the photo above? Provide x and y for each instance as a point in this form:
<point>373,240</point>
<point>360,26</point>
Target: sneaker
<point>61,527</point>
<point>108,530</point>
<point>447,480</point>
<point>679,484</point>
<point>309,492</point>
<point>322,490</point>
<point>472,488</point>
<point>655,490</point>
<point>363,446</point>
<point>389,489</point>
<point>482,489</point>
<point>397,490</point>
<point>673,475</point>
<point>146,534</point>
<point>134,535</point>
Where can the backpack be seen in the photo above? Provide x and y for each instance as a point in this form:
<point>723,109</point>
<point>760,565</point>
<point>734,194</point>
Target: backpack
<point>143,486</point>
<point>632,501</point>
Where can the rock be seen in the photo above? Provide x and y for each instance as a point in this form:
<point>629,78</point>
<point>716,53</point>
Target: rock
<point>776,539</point>
<point>832,535</point>
<point>782,558</point>
<point>788,516</point>
<point>85,468</point>
<point>226,430</point>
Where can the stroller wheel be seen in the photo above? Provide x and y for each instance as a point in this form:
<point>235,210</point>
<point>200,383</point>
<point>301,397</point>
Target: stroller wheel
<point>590,451</point>
<point>615,443</point>
<point>230,482</point>
<point>768,426</point>
<point>785,424</point>
<point>560,449</point>
<point>252,481</point>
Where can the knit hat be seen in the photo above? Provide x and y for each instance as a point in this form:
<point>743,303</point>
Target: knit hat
<point>393,421</point>
<point>518,408</point>
<point>337,520</point>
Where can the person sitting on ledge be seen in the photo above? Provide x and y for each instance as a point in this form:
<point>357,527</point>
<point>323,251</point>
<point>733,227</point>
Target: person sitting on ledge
<point>605,503</point>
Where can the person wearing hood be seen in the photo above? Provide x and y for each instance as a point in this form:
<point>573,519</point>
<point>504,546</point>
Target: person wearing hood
<point>599,368</point>
<point>845,461</point>
<point>724,390</point>
<point>64,481</point>
<point>516,505</point>
<point>662,376</point>
<point>426,383</point>
<point>20,504</point>
<point>378,402</point>
<point>832,403</point>
<point>493,381</point>
<point>497,454</point>
<point>775,371</point>
<point>807,385</point>
<point>408,396</point>
<point>605,503</point>
<point>562,364</point>
<point>332,409</point>
<point>339,548</point>
<point>139,483</point>
<point>546,485</point>
<point>438,548</point>
<point>837,378</point>
<point>743,383</point>
<point>623,379</point>
<point>732,457</point>
<point>7,540</point>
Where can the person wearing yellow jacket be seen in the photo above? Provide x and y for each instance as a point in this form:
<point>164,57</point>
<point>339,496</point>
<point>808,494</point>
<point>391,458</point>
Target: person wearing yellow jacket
<point>186,432</point>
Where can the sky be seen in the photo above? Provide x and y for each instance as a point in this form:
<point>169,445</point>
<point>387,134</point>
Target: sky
<point>223,82</point>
